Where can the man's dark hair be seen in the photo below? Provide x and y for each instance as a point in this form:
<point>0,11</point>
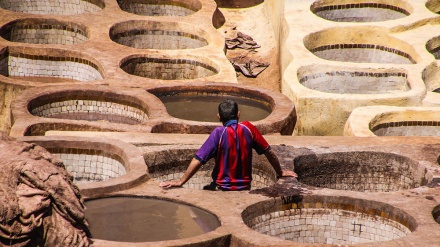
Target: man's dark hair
<point>228,110</point>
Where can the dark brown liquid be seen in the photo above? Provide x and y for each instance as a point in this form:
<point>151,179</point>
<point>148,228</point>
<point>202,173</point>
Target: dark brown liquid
<point>131,219</point>
<point>205,108</point>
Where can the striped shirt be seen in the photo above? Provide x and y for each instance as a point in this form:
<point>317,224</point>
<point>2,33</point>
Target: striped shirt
<point>232,146</point>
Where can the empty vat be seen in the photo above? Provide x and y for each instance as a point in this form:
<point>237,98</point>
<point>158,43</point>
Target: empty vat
<point>363,171</point>
<point>48,68</point>
<point>47,31</point>
<point>328,220</point>
<point>359,45</point>
<point>138,219</point>
<point>360,11</point>
<point>354,82</point>
<point>53,7</point>
<point>156,35</point>
<point>160,7</point>
<point>90,106</point>
<point>167,68</point>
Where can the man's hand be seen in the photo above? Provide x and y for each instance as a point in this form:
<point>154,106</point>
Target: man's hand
<point>169,184</point>
<point>288,173</point>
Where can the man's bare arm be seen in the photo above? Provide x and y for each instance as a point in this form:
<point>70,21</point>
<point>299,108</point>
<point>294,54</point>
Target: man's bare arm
<point>275,162</point>
<point>193,167</point>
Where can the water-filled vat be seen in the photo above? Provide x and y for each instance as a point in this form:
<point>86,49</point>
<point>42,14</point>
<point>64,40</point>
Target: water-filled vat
<point>328,220</point>
<point>204,108</point>
<point>137,219</point>
<point>364,171</point>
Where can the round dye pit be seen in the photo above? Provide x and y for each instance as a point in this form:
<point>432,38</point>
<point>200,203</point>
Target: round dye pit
<point>203,107</point>
<point>136,219</point>
<point>47,68</point>
<point>160,7</point>
<point>155,35</point>
<point>328,220</point>
<point>351,11</point>
<point>359,46</point>
<point>53,7</point>
<point>36,31</point>
<point>90,106</point>
<point>355,82</point>
<point>172,164</point>
<point>360,171</point>
<point>89,165</point>
<point>167,69</point>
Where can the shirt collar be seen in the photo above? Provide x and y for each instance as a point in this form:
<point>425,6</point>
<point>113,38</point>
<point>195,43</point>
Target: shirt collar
<point>230,122</point>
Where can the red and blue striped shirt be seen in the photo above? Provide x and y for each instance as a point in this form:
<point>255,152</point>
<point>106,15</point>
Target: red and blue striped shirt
<point>232,146</point>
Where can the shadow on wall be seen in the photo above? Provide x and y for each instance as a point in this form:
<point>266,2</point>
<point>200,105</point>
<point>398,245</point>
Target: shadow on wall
<point>237,3</point>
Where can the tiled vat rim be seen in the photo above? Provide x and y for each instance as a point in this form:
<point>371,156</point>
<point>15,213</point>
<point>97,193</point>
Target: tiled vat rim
<point>155,32</point>
<point>363,46</point>
<point>99,3</point>
<point>359,5</point>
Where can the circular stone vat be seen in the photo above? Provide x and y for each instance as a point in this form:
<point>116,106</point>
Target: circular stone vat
<point>155,35</point>
<point>354,82</point>
<point>90,106</point>
<point>355,11</point>
<point>137,219</point>
<point>48,31</point>
<point>167,69</point>
<point>160,7</point>
<point>53,7</point>
<point>328,220</point>
<point>203,107</point>
<point>360,171</point>
<point>47,68</point>
<point>171,164</point>
<point>90,165</point>
<point>359,45</point>
<point>433,47</point>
